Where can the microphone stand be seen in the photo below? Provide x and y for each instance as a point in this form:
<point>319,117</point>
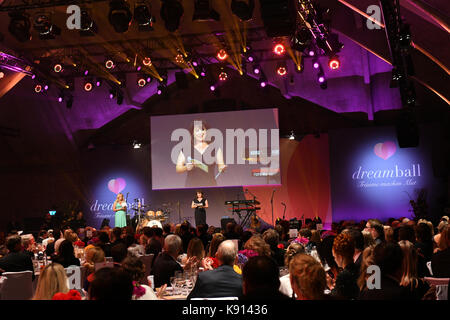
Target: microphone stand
<point>284,209</point>
<point>271,203</point>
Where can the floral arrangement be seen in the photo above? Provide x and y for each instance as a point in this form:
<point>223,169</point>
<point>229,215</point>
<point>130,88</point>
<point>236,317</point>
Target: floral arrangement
<point>301,240</point>
<point>280,246</point>
<point>138,290</point>
<point>79,243</point>
<point>71,295</point>
<point>249,253</point>
<point>93,240</point>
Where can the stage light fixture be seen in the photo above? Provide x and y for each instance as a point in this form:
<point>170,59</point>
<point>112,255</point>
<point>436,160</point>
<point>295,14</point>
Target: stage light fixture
<point>316,64</point>
<point>202,71</point>
<point>37,88</point>
<point>147,61</point>
<point>143,16</point>
<point>46,87</point>
<point>279,49</point>
<point>44,26</point>
<point>292,135</point>
<point>19,26</point>
<point>223,76</point>
<point>142,81</point>
<point>301,40</point>
<point>119,15</point>
<point>98,82</point>
<point>88,86</point>
<point>2,74</point>
<point>256,69</point>
<point>61,96</point>
<point>112,93</point>
<point>334,63</point>
<point>262,80</point>
<point>179,58</point>
<point>222,55</point>
<point>33,76</point>
<point>136,144</point>
<point>171,12</point>
<point>60,99</point>
<point>203,11</point>
<point>57,68</point>
<point>109,64</point>
<point>243,9</point>
<point>88,26</point>
<point>311,53</point>
<point>282,69</point>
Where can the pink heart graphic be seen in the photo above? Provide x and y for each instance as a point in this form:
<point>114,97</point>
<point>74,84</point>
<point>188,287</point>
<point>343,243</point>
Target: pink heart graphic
<point>116,185</point>
<point>385,150</point>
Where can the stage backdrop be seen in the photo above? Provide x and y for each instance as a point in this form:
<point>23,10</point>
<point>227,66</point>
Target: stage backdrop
<point>372,177</point>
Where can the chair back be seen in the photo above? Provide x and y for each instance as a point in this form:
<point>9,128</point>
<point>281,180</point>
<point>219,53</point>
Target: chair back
<point>441,285</point>
<point>147,260</point>
<point>101,265</point>
<point>17,286</point>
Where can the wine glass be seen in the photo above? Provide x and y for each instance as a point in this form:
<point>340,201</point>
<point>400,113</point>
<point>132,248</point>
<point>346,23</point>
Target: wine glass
<point>173,283</point>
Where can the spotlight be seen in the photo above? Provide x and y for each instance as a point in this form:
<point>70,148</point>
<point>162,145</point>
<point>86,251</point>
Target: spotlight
<point>112,94</point>
<point>136,145</point>
<point>98,82</point>
<point>204,12</point>
<point>282,69</point>
<point>243,10</point>
<point>88,26</point>
<point>60,99</point>
<point>19,26</point>
<point>179,58</point>
<point>311,53</point>
<point>86,72</point>
<point>143,16</point>
<point>279,49</point>
<point>37,88</point>
<point>141,82</point>
<point>161,89</point>
<point>316,64</point>
<point>203,71</point>
<point>88,86</point>
<point>46,87</point>
<point>33,76</point>
<point>47,30</point>
<point>223,76</point>
<point>321,79</point>
<point>301,39</point>
<point>292,136</point>
<point>147,61</point>
<point>222,55</point>
<point>109,64</point>
<point>171,12</point>
<point>57,68</point>
<point>334,63</point>
<point>256,69</point>
<point>119,15</point>
<point>212,87</point>
<point>262,80</point>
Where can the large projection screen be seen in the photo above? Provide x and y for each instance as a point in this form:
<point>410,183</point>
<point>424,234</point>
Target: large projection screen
<point>217,149</point>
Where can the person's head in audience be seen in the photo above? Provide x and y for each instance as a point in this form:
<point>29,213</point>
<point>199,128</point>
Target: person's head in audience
<point>66,250</point>
<point>157,233</point>
<point>28,242</point>
<point>238,229</point>
<point>376,229</point>
<point>14,243</point>
<point>184,228</point>
<point>257,244</point>
<point>129,240</point>
<point>407,233</point>
<point>315,237</point>
<point>271,237</point>
<point>196,249</point>
<point>111,284</point>
<point>308,278</point>
<point>135,268</point>
<point>424,233</point>
<point>245,236</point>
<point>305,233</point>
<point>52,279</point>
<point>357,237</point>
<point>441,226</point>
<point>389,234</point>
<point>260,275</point>
<point>201,230</point>
<point>444,239</point>
<point>116,234</point>
<point>70,235</point>
<point>148,232</point>
<point>409,265</point>
<point>119,252</point>
<point>227,253</point>
<point>229,228</point>
<point>216,240</point>
<point>94,255</point>
<point>173,245</point>
<point>389,257</point>
<point>293,249</point>
<point>103,237</point>
<point>326,252</point>
<point>167,229</point>
<point>343,250</point>
<point>366,261</point>
<point>368,239</point>
<point>56,233</point>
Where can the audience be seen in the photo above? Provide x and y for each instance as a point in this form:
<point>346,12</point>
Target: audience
<point>16,260</point>
<point>52,279</point>
<point>136,269</point>
<point>308,279</point>
<point>272,238</point>
<point>166,263</point>
<point>66,255</point>
<point>119,252</point>
<point>440,261</point>
<point>285,281</point>
<point>195,254</point>
<point>111,284</point>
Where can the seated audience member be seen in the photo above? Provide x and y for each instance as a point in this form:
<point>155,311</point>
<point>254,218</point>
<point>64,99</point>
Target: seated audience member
<point>325,251</point>
<point>69,235</point>
<point>185,235</point>
<point>358,241</point>
<point>167,229</point>
<point>424,246</point>
<point>136,269</point>
<point>389,234</point>
<point>42,236</point>
<point>203,235</point>
<point>103,243</point>
<point>111,284</point>
<point>285,281</point>
<point>308,279</point>
<point>166,263</point>
<point>211,261</point>
<point>440,261</point>
<point>50,245</point>
<point>66,255</point>
<point>29,245</point>
<point>195,255</point>
<point>52,279</point>
<point>261,280</point>
<point>440,227</point>
<point>345,285</point>
<point>366,261</point>
<point>153,246</point>
<point>133,248</point>
<point>230,233</point>
<point>376,229</point>
<point>271,237</point>
<point>93,255</point>
<point>410,279</point>
<point>257,244</point>
<point>406,233</point>
<point>16,260</point>
<point>119,252</point>
<point>244,238</point>
<point>389,258</point>
<point>222,281</point>
<point>116,236</point>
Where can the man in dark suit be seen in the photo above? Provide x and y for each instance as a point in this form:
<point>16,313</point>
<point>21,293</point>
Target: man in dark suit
<point>16,260</point>
<point>166,263</point>
<point>220,282</point>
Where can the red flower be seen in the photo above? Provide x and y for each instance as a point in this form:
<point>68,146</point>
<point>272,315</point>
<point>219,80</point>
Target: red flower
<point>71,295</point>
<point>280,246</point>
<point>79,243</point>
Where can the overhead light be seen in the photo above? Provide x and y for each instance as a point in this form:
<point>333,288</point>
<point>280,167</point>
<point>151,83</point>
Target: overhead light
<point>334,63</point>
<point>136,145</point>
<point>19,26</point>
<point>142,80</point>
<point>109,64</point>
<point>120,15</point>
<point>143,16</point>
<point>179,58</point>
<point>57,68</point>
<point>282,69</point>
<point>279,49</point>
<point>292,136</point>
<point>88,85</point>
<point>243,9</point>
<point>222,55</point>
<point>88,26</point>
<point>223,75</point>
<point>47,30</point>
<point>262,80</point>
<point>256,69</point>
<point>171,12</point>
<point>203,11</point>
<point>98,82</point>
<point>316,64</point>
<point>147,61</point>
<point>37,88</point>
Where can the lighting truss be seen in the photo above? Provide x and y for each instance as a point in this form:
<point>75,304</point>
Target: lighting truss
<point>15,64</point>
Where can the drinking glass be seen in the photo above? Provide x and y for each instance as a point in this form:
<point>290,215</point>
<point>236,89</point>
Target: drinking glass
<point>173,283</point>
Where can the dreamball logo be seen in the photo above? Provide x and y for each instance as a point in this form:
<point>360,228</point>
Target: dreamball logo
<point>395,175</point>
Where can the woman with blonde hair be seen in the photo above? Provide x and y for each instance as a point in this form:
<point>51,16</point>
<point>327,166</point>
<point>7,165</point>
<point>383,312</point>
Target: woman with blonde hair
<point>285,282</point>
<point>367,260</point>
<point>93,255</point>
<point>409,279</point>
<point>53,279</point>
<point>120,209</point>
<point>257,244</point>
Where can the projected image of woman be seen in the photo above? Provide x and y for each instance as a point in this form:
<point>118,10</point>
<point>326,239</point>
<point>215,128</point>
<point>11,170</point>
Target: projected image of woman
<point>200,174</point>
<point>120,209</point>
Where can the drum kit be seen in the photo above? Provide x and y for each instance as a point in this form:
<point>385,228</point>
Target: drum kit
<point>151,218</point>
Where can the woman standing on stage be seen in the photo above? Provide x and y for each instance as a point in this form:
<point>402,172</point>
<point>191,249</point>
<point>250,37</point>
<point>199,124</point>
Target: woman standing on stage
<point>200,204</point>
<point>120,208</point>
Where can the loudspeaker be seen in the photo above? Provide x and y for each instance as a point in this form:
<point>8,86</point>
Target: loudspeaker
<point>407,130</point>
<point>224,222</point>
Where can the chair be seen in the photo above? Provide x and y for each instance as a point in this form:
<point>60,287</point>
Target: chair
<point>17,286</point>
<point>429,267</point>
<point>147,260</point>
<point>101,265</point>
<point>441,285</point>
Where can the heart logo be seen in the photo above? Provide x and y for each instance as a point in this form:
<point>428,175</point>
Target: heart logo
<point>385,150</point>
<point>116,185</point>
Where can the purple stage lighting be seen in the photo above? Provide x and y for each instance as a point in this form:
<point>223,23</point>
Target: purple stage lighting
<point>311,53</point>
<point>321,79</point>
<point>212,88</point>
<point>60,99</point>
<point>86,72</point>
<point>316,65</point>
<point>263,84</point>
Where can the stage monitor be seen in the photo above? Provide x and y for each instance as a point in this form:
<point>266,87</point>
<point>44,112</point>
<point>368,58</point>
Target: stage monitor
<point>217,149</point>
